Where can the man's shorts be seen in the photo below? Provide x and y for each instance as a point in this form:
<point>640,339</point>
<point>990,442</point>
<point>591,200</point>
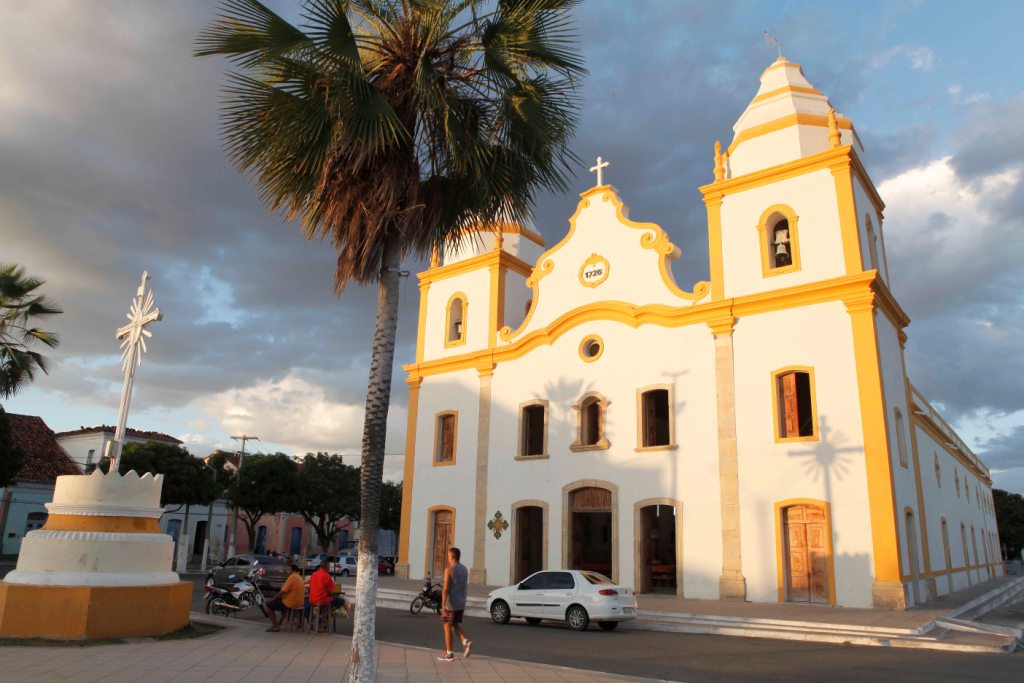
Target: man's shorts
<point>451,616</point>
<point>276,605</point>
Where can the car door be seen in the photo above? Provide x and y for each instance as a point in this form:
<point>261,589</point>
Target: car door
<point>225,575</point>
<point>529,596</point>
<point>559,592</point>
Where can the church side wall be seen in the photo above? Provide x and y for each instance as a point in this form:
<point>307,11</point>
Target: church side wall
<point>813,199</point>
<point>944,487</point>
<point>903,473</point>
<point>444,485</point>
<point>829,468</point>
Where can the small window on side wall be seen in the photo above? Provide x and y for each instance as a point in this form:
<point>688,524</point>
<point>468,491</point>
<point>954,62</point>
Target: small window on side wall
<point>780,250</point>
<point>794,403</point>
<point>901,438</point>
<point>533,438</point>
<point>444,440</point>
<point>455,328</point>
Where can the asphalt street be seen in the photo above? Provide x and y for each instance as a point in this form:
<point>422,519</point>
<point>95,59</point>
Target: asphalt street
<point>691,658</point>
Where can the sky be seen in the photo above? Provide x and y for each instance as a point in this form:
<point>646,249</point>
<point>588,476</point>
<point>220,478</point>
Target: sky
<point>111,164</point>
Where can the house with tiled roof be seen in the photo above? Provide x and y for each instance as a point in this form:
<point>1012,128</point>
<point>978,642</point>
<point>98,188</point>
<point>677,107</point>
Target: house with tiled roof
<point>87,445</point>
<point>22,506</point>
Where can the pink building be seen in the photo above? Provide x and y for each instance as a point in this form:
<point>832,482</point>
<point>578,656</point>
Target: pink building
<point>288,534</point>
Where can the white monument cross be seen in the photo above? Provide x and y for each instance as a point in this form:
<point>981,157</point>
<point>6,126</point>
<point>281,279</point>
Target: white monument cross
<point>133,345</point>
<point>601,164</point>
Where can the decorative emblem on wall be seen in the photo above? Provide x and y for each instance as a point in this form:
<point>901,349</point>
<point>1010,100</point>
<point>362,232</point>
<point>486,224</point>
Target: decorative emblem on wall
<point>498,525</point>
<point>594,271</point>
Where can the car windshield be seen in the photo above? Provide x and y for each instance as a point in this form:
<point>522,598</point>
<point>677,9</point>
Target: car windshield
<point>269,560</point>
<point>595,578</point>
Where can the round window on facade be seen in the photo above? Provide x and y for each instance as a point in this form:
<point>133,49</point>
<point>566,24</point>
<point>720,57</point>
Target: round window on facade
<point>591,348</point>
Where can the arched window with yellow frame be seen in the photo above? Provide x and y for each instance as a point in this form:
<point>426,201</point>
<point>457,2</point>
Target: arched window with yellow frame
<point>455,320</point>
<point>778,237</point>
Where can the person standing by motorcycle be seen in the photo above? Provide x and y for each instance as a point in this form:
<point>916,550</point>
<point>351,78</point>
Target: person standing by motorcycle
<point>453,604</point>
<point>291,596</point>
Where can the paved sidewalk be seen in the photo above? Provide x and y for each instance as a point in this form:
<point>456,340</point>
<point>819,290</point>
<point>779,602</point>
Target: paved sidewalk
<point>246,652</point>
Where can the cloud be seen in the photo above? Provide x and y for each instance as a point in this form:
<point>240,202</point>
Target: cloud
<point>918,58</point>
<point>1004,455</point>
<point>298,416</point>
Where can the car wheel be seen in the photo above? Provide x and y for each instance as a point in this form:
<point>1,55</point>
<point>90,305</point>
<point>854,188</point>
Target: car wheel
<point>500,612</point>
<point>417,604</point>
<point>577,618</point>
<point>344,572</point>
<point>533,621</point>
<point>608,625</point>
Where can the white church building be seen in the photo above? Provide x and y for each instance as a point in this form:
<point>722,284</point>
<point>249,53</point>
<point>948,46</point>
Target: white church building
<point>752,437</point>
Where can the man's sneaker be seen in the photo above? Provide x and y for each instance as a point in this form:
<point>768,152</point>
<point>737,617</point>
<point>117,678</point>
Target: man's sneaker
<point>446,657</point>
<point>466,647</point>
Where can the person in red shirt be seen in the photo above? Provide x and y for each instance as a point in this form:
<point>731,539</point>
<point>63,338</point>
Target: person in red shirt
<point>322,590</point>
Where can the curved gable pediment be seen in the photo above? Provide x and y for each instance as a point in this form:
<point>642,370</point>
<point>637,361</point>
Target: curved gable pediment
<point>605,258</point>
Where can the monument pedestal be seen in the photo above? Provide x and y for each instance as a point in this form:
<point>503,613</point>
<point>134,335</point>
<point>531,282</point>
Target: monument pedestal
<point>99,568</point>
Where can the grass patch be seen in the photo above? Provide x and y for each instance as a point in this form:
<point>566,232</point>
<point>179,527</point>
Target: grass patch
<point>195,629</point>
<point>192,630</point>
<point>43,642</point>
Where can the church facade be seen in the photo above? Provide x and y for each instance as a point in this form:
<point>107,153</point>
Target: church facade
<point>755,436</point>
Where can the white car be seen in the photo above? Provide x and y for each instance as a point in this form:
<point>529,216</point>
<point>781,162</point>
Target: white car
<point>575,597</point>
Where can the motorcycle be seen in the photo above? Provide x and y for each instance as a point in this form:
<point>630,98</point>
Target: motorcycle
<point>227,602</point>
<point>429,597</point>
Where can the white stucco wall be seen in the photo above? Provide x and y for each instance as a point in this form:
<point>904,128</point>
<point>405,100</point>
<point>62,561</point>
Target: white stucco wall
<point>830,468</point>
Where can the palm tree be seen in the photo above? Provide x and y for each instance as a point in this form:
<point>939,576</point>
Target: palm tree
<point>394,127</point>
<point>20,307</point>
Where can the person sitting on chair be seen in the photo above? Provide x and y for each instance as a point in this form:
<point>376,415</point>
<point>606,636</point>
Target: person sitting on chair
<point>322,589</point>
<point>291,596</point>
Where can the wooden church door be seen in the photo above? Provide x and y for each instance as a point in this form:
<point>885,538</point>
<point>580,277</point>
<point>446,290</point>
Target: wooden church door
<point>806,554</point>
<point>443,535</point>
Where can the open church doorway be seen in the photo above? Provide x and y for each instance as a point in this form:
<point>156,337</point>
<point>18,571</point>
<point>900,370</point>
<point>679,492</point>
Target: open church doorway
<point>590,544</point>
<point>530,538</point>
<point>658,549</point>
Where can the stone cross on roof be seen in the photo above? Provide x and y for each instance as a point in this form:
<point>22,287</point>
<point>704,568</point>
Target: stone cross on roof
<point>601,164</point>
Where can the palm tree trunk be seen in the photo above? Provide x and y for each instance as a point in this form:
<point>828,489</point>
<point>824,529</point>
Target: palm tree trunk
<point>371,471</point>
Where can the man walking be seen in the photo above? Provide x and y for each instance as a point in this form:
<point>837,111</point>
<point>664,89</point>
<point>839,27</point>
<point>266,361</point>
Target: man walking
<point>453,604</point>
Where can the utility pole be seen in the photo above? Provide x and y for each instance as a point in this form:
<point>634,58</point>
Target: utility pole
<point>234,524</point>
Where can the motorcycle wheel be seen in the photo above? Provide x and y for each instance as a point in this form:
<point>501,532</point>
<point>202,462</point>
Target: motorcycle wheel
<point>417,604</point>
<point>217,608</point>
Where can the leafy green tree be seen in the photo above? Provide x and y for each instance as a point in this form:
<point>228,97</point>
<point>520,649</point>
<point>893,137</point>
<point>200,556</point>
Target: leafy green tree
<point>265,484</point>
<point>1010,521</point>
<point>393,127</point>
<point>20,307</point>
<point>391,506</point>
<point>12,458</point>
<point>326,491</point>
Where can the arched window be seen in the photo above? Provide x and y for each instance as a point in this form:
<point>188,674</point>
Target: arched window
<point>777,233</point>
<point>455,323</point>
<point>794,403</point>
<point>590,423</point>
<point>901,439</point>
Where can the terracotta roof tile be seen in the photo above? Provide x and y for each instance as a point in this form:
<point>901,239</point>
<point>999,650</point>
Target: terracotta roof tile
<point>45,460</point>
